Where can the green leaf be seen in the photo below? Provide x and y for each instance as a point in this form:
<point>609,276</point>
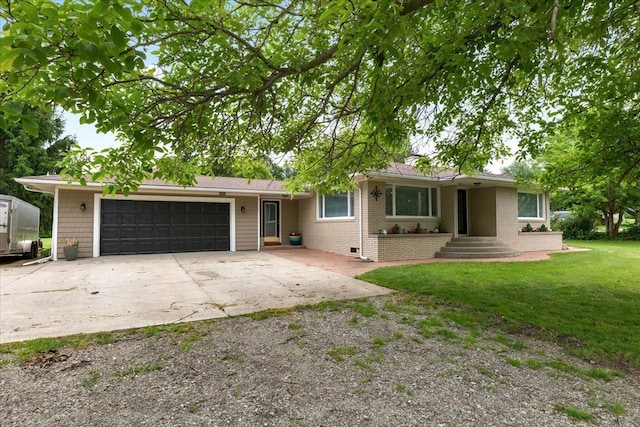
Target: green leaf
<point>118,37</point>
<point>30,125</point>
<point>29,10</point>
<point>8,58</point>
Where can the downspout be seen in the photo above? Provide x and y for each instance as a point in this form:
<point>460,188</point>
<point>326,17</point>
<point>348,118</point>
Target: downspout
<point>54,229</point>
<point>362,257</point>
<point>259,222</point>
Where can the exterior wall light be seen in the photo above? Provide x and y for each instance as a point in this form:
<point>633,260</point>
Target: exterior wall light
<point>376,193</point>
<point>83,206</point>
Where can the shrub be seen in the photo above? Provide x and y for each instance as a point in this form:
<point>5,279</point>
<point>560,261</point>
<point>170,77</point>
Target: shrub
<point>631,233</point>
<point>579,226</point>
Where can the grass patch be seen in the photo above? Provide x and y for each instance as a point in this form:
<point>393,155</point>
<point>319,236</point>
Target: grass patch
<point>602,374</point>
<point>616,408</point>
<point>535,364</point>
<point>46,242</point>
<point>401,388</point>
<point>270,313</point>
<point>485,371</point>
<point>586,301</point>
<point>232,358</point>
<point>28,351</point>
<point>138,369</point>
<point>364,308</point>
<point>575,413</point>
<point>367,363</point>
<point>294,326</point>
<point>92,379</point>
<point>514,362</point>
<point>338,353</point>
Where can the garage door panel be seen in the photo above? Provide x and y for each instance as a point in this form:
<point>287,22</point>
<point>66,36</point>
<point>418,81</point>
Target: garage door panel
<point>145,231</point>
<point>145,218</point>
<point>146,246</point>
<point>179,245</point>
<point>178,231</point>
<point>163,232</point>
<point>139,226</point>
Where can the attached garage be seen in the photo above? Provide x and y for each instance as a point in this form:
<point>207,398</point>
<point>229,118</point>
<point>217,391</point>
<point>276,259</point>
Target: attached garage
<point>214,214</point>
<point>154,226</point>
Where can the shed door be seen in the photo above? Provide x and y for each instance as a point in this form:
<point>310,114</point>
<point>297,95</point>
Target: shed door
<point>146,227</point>
<point>4,226</point>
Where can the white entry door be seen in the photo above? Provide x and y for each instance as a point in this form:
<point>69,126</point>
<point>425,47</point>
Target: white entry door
<point>270,219</point>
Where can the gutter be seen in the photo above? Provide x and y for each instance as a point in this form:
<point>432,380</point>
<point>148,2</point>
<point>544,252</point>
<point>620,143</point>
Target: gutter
<point>27,183</point>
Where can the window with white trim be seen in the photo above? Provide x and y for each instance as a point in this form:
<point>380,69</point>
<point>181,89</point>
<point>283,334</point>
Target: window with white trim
<point>336,205</point>
<point>531,206</point>
<point>403,200</point>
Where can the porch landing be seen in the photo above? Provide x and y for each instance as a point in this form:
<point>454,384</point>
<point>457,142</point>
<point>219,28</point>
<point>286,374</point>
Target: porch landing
<point>475,247</point>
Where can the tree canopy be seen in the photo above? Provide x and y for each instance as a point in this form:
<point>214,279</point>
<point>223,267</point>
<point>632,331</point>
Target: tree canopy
<point>22,154</point>
<point>597,157</point>
<point>339,85</point>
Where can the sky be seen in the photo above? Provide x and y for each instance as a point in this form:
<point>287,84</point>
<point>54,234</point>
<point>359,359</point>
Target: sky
<point>86,134</point>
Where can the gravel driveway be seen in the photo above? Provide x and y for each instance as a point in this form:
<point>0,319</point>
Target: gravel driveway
<point>383,361</point>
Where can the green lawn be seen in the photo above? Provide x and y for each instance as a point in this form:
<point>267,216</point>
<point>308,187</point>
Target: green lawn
<point>587,301</point>
<point>46,242</point>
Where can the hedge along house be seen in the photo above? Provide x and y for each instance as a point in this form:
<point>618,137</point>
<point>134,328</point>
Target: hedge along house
<point>462,216</point>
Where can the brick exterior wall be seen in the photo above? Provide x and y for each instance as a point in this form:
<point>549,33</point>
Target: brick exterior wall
<point>482,211</point>
<point>74,223</point>
<point>396,247</point>
<point>289,219</point>
<point>449,209</point>
<point>548,241</point>
<point>506,215</point>
<point>339,236</point>
<point>376,212</point>
<point>330,235</point>
<point>509,226</point>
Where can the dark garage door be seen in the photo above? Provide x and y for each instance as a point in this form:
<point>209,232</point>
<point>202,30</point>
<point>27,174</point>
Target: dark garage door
<point>146,227</point>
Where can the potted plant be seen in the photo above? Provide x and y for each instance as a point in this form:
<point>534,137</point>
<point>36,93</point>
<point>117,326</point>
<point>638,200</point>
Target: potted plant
<point>70,249</point>
<point>295,238</point>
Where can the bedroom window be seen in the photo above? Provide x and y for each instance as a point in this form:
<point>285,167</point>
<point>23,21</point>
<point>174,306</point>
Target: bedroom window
<point>411,201</point>
<point>531,206</point>
<point>336,205</point>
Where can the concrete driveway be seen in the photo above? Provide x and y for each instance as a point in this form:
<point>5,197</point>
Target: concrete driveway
<point>121,292</point>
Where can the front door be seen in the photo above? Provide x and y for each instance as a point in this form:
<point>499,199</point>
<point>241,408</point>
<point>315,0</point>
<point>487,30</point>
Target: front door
<point>270,219</point>
<point>462,212</point>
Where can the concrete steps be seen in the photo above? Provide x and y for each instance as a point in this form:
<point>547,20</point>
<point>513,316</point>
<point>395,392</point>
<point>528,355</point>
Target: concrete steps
<point>475,248</point>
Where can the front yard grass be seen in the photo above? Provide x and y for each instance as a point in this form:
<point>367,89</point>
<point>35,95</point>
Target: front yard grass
<point>589,302</point>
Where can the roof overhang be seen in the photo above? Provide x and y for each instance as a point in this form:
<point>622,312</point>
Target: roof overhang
<point>48,186</point>
<point>461,180</point>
